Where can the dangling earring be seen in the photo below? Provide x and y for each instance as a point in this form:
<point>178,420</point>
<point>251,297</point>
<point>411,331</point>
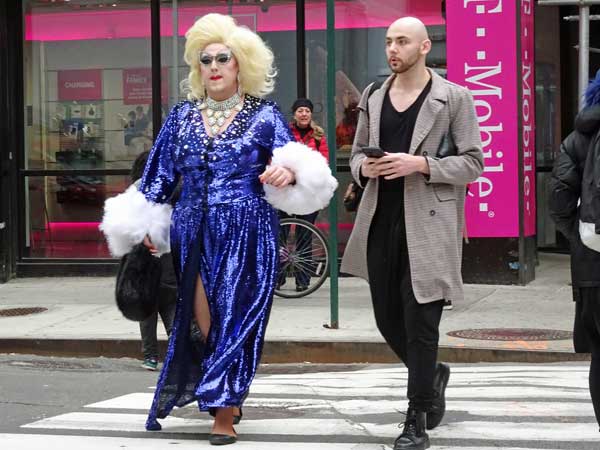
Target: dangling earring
<point>239,89</point>
<point>202,104</point>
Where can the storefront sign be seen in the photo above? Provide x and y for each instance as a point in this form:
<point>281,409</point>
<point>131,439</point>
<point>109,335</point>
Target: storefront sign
<point>482,56</point>
<point>79,85</point>
<point>137,86</point>
<point>528,116</point>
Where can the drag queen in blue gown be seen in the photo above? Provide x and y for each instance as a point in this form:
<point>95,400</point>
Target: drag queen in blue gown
<point>236,160</point>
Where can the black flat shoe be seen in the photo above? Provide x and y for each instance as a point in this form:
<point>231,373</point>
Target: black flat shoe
<point>221,439</point>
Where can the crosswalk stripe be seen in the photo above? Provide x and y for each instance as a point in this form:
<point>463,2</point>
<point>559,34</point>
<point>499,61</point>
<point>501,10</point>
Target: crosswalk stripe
<point>37,441</point>
<point>470,372</point>
<point>499,431</point>
<point>458,380</point>
<point>33,442</point>
<point>142,401</point>
<point>135,422</point>
<point>334,427</point>
<point>509,391</point>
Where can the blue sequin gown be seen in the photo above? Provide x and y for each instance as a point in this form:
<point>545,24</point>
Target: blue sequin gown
<point>223,229</point>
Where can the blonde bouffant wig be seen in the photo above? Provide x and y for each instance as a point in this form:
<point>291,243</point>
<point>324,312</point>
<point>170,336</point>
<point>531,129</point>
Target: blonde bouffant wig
<point>254,58</point>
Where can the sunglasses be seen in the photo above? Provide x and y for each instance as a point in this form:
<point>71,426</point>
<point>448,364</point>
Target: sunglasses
<point>221,58</point>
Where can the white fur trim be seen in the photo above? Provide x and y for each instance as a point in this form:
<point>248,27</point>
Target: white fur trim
<point>314,183</point>
<point>129,217</point>
<point>587,233</point>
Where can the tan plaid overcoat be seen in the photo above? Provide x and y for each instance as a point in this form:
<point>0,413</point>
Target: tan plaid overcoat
<point>434,207</point>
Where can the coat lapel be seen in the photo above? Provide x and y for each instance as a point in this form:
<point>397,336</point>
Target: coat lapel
<point>432,105</point>
<point>375,105</point>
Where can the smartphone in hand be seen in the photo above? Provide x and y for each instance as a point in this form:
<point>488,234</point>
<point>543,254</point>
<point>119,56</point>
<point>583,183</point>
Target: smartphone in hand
<point>373,152</point>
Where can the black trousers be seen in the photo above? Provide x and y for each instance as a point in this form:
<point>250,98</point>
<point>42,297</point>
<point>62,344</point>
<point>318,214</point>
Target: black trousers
<point>410,329</point>
<point>587,338</point>
<point>167,299</point>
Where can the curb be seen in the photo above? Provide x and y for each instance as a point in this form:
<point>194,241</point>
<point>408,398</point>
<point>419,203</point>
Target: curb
<point>283,352</point>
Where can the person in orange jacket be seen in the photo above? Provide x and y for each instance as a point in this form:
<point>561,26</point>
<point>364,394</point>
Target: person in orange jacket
<point>305,130</point>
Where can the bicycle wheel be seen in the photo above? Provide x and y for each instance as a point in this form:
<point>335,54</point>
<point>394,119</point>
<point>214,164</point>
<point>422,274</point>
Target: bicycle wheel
<point>303,258</point>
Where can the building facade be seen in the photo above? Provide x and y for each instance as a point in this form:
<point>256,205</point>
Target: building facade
<point>85,84</point>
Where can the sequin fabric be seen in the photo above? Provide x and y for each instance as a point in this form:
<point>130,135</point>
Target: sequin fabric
<point>224,230</point>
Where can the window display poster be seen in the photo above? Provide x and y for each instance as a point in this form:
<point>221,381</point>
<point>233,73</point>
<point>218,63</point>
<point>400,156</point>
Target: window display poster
<point>137,86</point>
<point>77,85</point>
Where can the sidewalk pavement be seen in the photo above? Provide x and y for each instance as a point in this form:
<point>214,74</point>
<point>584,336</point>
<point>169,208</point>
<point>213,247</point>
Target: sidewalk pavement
<point>82,320</point>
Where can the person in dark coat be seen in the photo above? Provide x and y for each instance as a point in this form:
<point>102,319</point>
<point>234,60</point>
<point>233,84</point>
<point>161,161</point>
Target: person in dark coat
<point>572,200</point>
<point>167,295</point>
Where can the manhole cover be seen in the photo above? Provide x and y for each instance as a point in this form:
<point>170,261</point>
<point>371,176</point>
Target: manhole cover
<point>512,334</point>
<point>54,365</point>
<point>12,312</point>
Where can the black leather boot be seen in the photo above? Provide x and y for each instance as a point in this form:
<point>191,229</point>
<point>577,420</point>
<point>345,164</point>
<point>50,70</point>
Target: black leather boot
<point>438,409</point>
<point>413,436</point>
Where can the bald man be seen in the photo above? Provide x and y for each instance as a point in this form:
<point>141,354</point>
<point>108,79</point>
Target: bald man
<point>407,238</point>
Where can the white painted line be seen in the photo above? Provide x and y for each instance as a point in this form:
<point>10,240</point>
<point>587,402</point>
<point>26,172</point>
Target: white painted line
<point>527,431</point>
<point>479,392</point>
<point>141,401</point>
<point>472,369</point>
<point>138,400</point>
<point>502,431</point>
<point>36,442</point>
<point>135,423</point>
<point>456,380</point>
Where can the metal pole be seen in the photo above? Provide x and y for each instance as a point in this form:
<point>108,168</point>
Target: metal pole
<point>174,84</point>
<point>333,217</point>
<point>156,63</point>
<point>584,52</point>
<point>301,48</point>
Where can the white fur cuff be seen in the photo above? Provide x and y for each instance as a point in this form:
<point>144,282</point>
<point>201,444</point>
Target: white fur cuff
<point>129,217</point>
<point>314,183</point>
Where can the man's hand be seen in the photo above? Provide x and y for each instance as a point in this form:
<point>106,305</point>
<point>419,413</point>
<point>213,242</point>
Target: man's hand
<point>369,168</point>
<point>396,165</point>
<point>277,176</point>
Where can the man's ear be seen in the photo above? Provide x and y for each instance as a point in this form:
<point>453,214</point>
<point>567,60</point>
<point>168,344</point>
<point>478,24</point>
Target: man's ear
<point>425,46</point>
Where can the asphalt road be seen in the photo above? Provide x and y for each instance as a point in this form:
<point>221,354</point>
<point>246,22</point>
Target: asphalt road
<point>101,403</point>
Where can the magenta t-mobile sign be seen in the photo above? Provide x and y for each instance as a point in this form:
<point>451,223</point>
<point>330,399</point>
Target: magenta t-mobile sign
<point>483,55</point>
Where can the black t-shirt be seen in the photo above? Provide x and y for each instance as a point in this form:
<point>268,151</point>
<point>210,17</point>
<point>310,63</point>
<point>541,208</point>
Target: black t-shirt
<point>395,133</point>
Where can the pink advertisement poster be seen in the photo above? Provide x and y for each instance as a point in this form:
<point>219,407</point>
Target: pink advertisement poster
<point>482,49</point>
<point>528,115</point>
<point>79,85</point>
<point>137,86</point>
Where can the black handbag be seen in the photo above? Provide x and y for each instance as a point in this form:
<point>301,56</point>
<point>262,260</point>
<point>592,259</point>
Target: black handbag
<point>447,147</point>
<point>138,282</point>
<point>352,196</point>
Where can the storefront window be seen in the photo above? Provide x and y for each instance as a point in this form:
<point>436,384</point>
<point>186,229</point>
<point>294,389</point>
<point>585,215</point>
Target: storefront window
<point>548,123</point>
<point>87,69</point>
<point>64,212</point>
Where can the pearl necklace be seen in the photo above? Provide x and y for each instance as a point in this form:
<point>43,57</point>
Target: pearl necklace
<point>218,112</point>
